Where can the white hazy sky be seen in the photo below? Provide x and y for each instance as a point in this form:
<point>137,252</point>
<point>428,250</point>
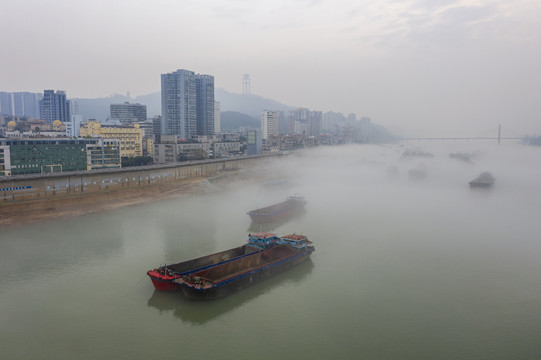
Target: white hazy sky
<point>426,67</point>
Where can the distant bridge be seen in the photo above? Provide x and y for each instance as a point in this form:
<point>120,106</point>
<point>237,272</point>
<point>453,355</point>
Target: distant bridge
<point>461,138</point>
<point>498,138</point>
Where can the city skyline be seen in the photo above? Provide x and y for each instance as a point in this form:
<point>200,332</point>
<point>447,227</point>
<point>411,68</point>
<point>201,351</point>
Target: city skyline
<point>451,67</point>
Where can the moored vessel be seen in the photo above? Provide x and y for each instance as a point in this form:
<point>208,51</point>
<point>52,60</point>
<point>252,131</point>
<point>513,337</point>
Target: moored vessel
<point>163,276</point>
<point>277,212</point>
<point>225,279</point>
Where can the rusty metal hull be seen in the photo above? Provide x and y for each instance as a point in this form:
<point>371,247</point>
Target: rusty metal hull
<point>236,275</point>
<point>163,277</point>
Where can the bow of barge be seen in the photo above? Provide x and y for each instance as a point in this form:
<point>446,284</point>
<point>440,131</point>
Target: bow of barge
<point>163,277</point>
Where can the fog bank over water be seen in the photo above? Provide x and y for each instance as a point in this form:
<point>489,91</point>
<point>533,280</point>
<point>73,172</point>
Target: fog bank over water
<point>408,265</point>
<point>372,185</point>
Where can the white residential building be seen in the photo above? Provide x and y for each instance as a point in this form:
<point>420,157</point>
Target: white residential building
<point>269,123</point>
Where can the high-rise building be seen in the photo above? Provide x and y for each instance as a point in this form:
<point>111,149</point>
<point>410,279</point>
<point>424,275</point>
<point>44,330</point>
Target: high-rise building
<point>331,121</point>
<point>205,104</point>
<point>178,103</point>
<point>305,122</point>
<point>20,104</point>
<point>282,123</point>
<point>365,129</point>
<point>156,125</point>
<point>314,123</point>
<point>128,113</point>
<point>298,121</point>
<point>217,118</point>
<point>73,127</point>
<point>26,104</point>
<point>6,103</point>
<point>253,142</point>
<point>269,123</point>
<point>54,106</point>
<point>187,104</point>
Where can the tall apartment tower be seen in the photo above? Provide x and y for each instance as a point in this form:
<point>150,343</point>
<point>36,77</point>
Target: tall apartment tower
<point>269,123</point>
<point>205,104</point>
<point>187,104</point>
<point>54,106</point>
<point>6,104</point>
<point>26,104</point>
<point>178,103</point>
<point>217,118</point>
<point>20,104</point>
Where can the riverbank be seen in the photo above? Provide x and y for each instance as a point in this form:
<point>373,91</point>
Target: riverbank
<point>27,212</point>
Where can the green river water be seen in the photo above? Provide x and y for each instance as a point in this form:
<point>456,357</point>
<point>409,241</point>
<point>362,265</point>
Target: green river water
<point>403,268</point>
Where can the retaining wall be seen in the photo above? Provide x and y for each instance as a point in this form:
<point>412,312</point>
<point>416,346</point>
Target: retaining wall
<point>51,186</point>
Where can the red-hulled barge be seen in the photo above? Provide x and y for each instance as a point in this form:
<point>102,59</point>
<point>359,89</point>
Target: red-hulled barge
<point>163,277</point>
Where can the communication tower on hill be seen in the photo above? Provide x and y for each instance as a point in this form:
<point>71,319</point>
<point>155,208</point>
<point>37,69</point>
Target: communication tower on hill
<point>246,84</point>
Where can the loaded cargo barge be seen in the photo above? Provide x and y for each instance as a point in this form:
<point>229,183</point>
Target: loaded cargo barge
<point>163,276</point>
<point>224,279</point>
<point>277,212</point>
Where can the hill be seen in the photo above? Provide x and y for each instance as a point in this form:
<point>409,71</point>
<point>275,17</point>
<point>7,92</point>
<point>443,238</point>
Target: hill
<point>246,104</point>
<point>231,121</point>
<point>96,108</point>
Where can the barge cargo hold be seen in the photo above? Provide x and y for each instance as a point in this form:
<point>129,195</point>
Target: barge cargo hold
<point>277,212</point>
<point>163,276</point>
<point>225,279</point>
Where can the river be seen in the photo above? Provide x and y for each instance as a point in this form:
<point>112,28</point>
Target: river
<point>404,268</point>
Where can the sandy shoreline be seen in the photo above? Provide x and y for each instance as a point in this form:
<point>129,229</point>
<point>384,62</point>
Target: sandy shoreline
<point>21,213</point>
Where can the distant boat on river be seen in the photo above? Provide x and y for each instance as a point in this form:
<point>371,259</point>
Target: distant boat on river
<point>278,212</point>
<point>484,180</point>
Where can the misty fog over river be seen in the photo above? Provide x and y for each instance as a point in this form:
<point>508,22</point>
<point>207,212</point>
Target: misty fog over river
<point>408,265</point>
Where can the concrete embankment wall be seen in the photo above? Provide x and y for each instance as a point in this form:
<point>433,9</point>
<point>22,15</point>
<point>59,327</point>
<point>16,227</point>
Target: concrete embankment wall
<point>81,185</point>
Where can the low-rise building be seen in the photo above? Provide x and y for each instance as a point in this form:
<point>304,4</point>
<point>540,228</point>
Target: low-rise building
<point>104,154</point>
<point>273,143</point>
<point>5,163</point>
<point>130,137</point>
<point>172,149</point>
<point>30,156</point>
<point>226,148</point>
<point>39,156</point>
<point>165,153</point>
<point>148,146</point>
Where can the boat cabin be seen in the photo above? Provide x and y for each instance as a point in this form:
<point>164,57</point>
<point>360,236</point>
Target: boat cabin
<point>263,240</point>
<point>296,241</point>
